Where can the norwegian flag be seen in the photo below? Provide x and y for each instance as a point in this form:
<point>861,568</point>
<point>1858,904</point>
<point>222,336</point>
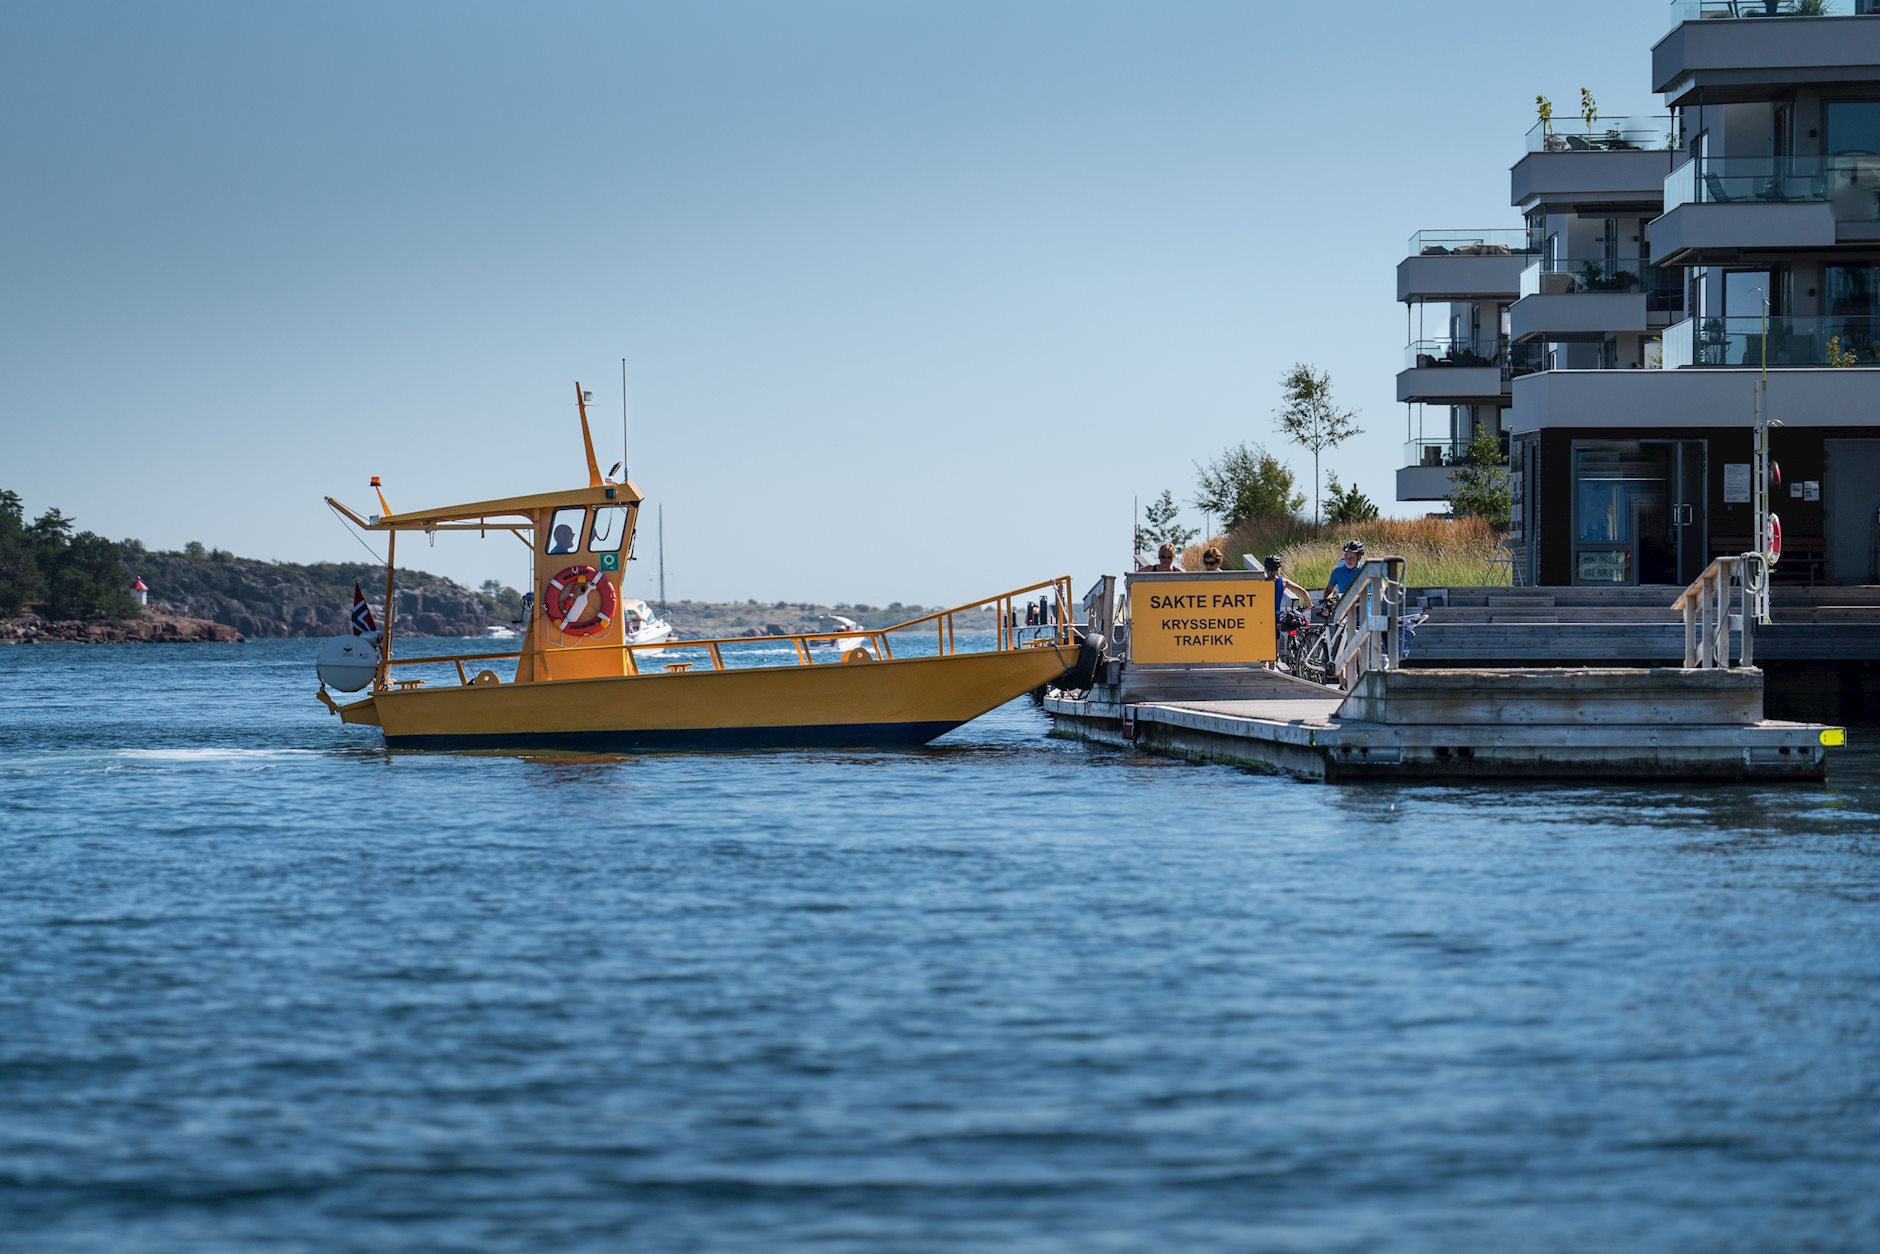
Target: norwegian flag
<point>362,613</point>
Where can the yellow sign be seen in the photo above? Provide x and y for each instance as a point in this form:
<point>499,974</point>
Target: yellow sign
<point>1201,618</point>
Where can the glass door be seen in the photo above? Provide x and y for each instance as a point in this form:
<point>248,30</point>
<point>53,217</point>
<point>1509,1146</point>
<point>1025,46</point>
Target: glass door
<point>1689,519</point>
<point>1622,517</point>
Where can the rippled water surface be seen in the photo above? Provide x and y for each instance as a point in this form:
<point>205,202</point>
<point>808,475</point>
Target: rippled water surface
<point>264,985</point>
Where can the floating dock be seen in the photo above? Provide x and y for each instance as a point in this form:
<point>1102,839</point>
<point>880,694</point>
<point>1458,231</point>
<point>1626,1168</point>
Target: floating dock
<point>1583,724</point>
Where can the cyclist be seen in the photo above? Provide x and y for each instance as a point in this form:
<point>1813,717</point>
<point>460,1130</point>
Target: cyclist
<point>1346,572</point>
<point>1282,586</point>
<point>1282,589</point>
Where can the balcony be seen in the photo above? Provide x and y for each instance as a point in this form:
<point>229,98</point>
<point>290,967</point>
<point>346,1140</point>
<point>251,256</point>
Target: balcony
<point>1462,265</point>
<point>1463,372</point>
<point>1704,10</point>
<point>1655,400</point>
<point>1779,45</point>
<point>1648,134</point>
<point>1425,473</point>
<point>1732,205</point>
<point>1614,164</point>
<point>1567,298</point>
<point>1787,342</point>
<point>1492,242</point>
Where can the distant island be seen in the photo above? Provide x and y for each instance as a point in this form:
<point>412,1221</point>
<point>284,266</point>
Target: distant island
<point>57,586</point>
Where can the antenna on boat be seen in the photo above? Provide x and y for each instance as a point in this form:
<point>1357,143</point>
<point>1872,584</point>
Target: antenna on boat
<point>587,437</point>
<point>625,474</point>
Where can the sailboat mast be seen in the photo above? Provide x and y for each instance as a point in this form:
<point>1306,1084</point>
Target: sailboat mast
<point>662,557</point>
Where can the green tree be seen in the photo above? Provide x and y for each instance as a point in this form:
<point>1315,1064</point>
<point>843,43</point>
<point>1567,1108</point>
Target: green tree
<point>47,538</point>
<point>194,549</point>
<point>89,581</point>
<point>1309,419</point>
<point>1245,482</point>
<point>1159,525</point>
<point>1480,486</point>
<point>1347,505</point>
<point>20,582</point>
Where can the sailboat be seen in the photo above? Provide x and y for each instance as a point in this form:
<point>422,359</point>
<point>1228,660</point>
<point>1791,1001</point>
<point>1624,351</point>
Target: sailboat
<point>583,681</point>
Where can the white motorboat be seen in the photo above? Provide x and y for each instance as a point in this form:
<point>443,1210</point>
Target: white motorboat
<point>642,624</point>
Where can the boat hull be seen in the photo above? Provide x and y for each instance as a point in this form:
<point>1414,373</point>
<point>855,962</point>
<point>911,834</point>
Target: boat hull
<point>874,704</point>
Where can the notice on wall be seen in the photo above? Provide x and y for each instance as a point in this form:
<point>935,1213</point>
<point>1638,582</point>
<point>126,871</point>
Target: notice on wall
<point>1201,619</point>
<point>1736,483</point>
<point>1604,567</point>
<point>1811,490</point>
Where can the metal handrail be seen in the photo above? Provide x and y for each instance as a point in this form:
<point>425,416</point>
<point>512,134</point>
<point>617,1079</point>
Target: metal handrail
<point>1007,637</point>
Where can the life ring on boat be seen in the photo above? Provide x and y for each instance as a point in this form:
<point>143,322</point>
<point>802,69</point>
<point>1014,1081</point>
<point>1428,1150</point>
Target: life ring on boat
<point>1772,543</point>
<point>576,588</point>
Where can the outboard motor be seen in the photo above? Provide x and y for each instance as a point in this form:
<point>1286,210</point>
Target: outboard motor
<point>348,663</point>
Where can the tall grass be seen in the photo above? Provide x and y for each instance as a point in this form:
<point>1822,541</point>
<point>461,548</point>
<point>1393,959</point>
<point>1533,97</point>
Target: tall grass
<point>1437,552</point>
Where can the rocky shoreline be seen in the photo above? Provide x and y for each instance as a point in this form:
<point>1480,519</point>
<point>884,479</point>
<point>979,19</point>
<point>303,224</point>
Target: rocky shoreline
<point>151,629</point>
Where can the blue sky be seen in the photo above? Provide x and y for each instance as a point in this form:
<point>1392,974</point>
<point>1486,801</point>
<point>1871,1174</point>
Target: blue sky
<point>915,297</point>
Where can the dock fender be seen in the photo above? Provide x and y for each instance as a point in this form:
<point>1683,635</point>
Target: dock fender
<point>1082,675</point>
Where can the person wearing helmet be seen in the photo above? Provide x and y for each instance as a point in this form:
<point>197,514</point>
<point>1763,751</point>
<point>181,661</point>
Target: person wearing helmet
<point>1282,589</point>
<point>1282,586</point>
<point>1346,572</point>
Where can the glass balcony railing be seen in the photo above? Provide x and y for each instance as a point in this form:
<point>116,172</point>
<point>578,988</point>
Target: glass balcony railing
<point>1523,359</point>
<point>1513,360</point>
<point>1496,242</point>
<point>1425,354</point>
<point>1560,276</point>
<point>1441,451</point>
<point>1798,341</point>
<point>1850,182</point>
<point>1603,135</point>
<point>1701,10</point>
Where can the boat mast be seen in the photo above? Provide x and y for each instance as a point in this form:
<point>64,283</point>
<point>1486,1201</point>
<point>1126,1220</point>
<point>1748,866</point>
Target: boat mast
<point>626,474</point>
<point>662,557</point>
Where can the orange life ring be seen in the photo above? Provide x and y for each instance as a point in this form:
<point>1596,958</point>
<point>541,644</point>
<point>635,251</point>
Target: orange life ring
<point>1772,544</point>
<point>567,589</point>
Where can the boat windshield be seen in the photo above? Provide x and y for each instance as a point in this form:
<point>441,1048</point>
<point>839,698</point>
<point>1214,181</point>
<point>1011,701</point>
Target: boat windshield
<point>610,527</point>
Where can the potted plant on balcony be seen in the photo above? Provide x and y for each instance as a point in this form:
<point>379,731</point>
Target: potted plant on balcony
<point>1550,142</point>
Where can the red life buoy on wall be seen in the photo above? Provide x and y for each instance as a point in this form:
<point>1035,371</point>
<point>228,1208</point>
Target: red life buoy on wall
<point>580,590</point>
<point>1772,543</point>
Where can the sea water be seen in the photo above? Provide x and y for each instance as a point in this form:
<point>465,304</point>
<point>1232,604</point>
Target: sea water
<point>264,985</point>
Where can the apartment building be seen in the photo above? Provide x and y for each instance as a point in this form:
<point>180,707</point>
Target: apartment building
<point>1689,272</point>
<point>1456,287</point>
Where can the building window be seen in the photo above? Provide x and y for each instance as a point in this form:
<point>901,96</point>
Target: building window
<point>1853,126</point>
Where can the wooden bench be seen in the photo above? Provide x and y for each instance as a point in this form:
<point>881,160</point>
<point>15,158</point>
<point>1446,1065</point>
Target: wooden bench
<point>1804,558</point>
<point>406,685</point>
<point>678,666</point>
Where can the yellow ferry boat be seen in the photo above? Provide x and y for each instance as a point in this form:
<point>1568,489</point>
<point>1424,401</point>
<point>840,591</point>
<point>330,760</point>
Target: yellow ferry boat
<point>582,682</point>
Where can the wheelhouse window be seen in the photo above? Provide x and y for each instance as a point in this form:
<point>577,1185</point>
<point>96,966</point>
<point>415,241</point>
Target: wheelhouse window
<point>610,529</point>
<point>564,530</point>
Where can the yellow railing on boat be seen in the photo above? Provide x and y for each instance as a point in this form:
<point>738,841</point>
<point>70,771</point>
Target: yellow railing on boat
<point>1008,635</point>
